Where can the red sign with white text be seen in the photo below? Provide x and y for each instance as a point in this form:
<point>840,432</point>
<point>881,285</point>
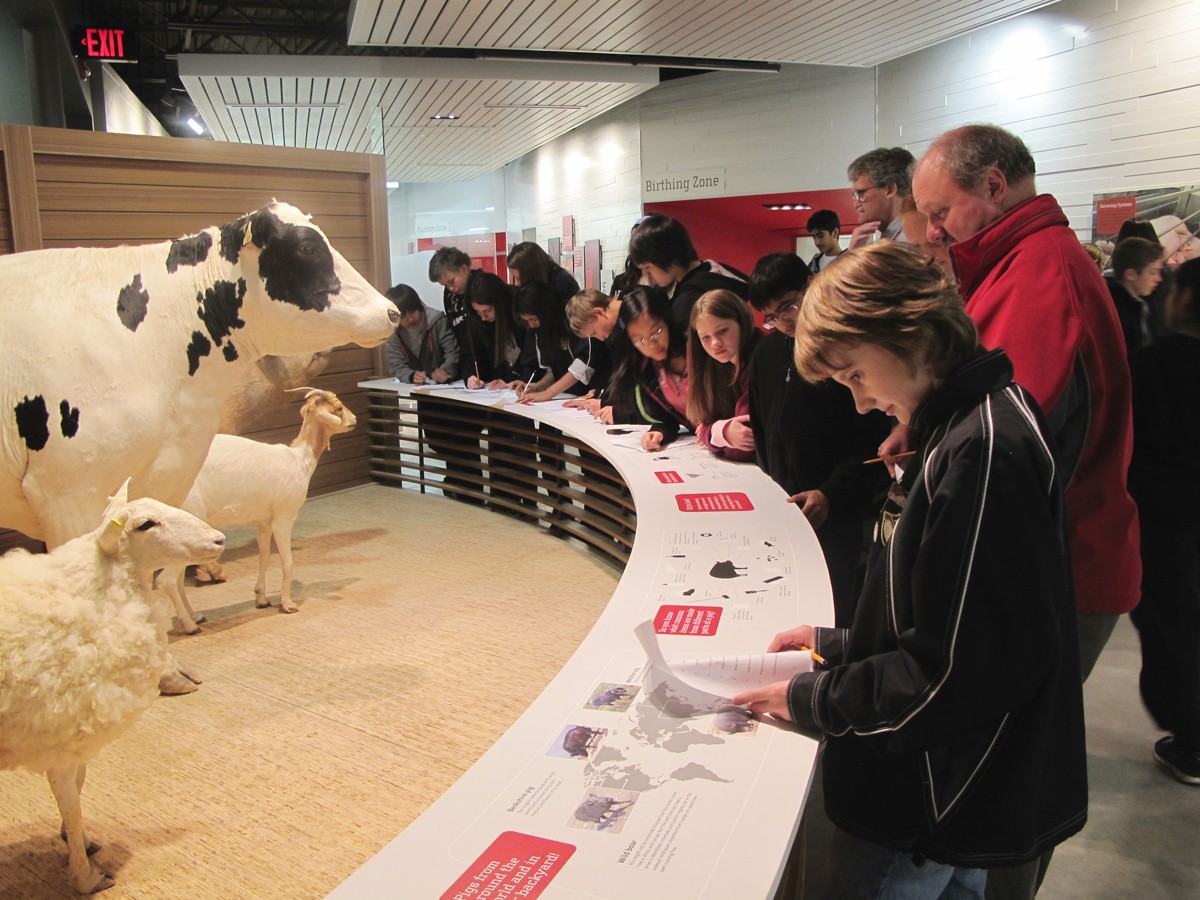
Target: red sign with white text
<point>734,501</point>
<point>515,865</point>
<point>698,621</point>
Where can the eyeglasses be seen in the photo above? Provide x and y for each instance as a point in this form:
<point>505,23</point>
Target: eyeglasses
<point>771,320</point>
<point>858,195</point>
<point>652,336</point>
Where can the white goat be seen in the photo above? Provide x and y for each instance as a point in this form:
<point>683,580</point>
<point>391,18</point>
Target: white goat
<point>246,482</point>
<point>83,642</point>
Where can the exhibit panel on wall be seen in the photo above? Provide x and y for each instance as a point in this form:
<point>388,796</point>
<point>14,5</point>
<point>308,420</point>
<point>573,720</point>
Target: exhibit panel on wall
<point>1174,212</point>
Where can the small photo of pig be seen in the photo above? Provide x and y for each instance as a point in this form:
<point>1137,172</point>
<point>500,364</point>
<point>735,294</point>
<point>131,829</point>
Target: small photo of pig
<point>577,742</point>
<point>611,697</point>
<point>603,809</point>
<point>732,719</point>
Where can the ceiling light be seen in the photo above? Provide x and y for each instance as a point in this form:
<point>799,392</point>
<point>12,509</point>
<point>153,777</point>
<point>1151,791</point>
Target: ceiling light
<point>786,206</point>
<point>391,185</point>
<point>450,116</point>
<point>196,126</point>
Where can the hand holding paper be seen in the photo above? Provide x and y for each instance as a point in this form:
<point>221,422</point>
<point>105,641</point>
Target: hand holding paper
<point>724,676</point>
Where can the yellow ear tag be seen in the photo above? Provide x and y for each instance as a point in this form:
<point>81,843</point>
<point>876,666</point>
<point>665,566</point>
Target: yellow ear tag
<point>120,523</point>
<point>249,239</point>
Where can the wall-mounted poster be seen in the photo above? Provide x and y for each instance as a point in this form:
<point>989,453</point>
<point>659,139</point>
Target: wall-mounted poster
<point>591,264</point>
<point>568,233</point>
<point>554,248</point>
<point>1173,211</point>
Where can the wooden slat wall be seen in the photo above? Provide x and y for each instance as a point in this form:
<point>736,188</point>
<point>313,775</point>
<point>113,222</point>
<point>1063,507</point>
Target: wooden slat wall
<point>71,189</point>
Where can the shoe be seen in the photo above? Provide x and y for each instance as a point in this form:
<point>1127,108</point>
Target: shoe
<point>1184,766</point>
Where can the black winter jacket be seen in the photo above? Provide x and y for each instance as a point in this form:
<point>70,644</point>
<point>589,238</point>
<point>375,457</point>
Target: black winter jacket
<point>953,705</point>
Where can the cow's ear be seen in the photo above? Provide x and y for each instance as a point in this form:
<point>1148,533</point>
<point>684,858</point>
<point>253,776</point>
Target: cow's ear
<point>261,228</point>
<point>234,236</point>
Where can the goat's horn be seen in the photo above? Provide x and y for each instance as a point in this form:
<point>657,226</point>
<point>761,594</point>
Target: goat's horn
<point>292,390</point>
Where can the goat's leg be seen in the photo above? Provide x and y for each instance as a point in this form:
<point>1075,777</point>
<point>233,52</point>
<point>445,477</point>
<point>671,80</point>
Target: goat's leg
<point>171,582</point>
<point>86,876</point>
<point>264,557</point>
<point>282,529</point>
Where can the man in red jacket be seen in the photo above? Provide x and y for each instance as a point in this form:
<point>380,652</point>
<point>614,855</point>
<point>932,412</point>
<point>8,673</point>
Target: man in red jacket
<point>1032,290</point>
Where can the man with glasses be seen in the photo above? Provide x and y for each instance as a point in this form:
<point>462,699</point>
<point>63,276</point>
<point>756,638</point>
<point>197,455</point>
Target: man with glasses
<point>825,230</point>
<point>809,437</point>
<point>879,182</point>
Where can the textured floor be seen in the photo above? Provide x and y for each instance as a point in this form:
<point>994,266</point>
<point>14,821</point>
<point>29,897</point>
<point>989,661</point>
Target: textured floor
<point>425,628</point>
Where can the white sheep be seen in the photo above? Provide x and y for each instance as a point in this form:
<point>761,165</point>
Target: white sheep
<point>246,482</point>
<point>83,641</point>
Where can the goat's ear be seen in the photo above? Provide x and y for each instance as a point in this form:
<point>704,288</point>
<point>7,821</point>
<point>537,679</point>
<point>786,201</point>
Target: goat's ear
<point>117,500</point>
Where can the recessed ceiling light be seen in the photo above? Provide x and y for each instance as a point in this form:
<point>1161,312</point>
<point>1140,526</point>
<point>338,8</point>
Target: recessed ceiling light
<point>785,206</point>
<point>450,116</point>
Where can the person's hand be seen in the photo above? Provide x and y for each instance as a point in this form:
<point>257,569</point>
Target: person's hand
<point>604,415</point>
<point>814,505</point>
<point>499,384</point>
<point>418,378</point>
<point>863,233</point>
<point>770,699</point>
<point>801,637</point>
<point>651,441</point>
<point>473,383</point>
<point>590,404</point>
<point>739,434</point>
<point>535,397</point>
<point>440,375</point>
<point>893,445</point>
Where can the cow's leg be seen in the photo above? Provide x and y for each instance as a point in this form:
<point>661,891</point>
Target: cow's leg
<point>171,582</point>
<point>264,557</point>
<point>282,529</point>
<point>175,679</point>
<point>86,876</point>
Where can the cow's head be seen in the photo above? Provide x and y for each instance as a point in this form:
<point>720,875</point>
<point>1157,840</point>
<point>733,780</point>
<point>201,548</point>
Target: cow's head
<point>310,298</point>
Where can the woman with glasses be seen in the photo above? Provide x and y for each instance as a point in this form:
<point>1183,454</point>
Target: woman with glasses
<point>650,382</point>
<point>721,341</point>
<point>809,437</point>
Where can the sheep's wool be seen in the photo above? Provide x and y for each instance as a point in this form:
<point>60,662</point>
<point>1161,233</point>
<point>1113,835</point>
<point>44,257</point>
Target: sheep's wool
<point>77,667</point>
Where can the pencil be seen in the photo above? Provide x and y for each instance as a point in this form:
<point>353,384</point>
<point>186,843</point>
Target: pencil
<point>867,462</point>
<point>817,657</point>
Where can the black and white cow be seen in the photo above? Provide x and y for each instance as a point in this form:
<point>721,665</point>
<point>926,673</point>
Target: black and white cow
<point>116,362</point>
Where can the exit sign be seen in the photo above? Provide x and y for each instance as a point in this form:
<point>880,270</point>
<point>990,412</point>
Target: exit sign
<point>102,43</point>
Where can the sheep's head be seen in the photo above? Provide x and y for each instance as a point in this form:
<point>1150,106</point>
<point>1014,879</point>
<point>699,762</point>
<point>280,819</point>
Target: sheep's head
<point>149,535</point>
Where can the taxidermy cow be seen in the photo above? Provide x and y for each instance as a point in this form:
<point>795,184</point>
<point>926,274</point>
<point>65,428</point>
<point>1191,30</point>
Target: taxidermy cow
<point>117,362</point>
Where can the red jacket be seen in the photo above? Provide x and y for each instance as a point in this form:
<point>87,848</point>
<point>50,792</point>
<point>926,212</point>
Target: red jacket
<point>1032,290</point>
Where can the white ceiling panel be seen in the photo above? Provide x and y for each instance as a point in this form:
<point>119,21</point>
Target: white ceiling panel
<point>387,105</point>
<point>506,107</point>
<point>783,31</point>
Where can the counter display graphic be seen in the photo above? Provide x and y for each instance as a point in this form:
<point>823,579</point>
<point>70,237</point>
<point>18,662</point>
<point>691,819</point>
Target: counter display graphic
<point>632,775</point>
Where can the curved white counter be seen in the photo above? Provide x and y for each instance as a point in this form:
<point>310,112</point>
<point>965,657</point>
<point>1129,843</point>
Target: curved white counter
<point>649,805</point>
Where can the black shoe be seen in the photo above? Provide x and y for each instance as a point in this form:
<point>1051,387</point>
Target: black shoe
<point>1184,766</point>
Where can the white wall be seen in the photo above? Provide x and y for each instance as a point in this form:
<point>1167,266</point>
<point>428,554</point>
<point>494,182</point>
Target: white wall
<point>1105,93</point>
<point>796,130</point>
<point>593,174</point>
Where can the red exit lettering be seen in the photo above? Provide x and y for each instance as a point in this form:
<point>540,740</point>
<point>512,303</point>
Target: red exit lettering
<point>104,42</point>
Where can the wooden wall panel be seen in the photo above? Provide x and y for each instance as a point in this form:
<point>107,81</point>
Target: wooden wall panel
<point>71,189</point>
